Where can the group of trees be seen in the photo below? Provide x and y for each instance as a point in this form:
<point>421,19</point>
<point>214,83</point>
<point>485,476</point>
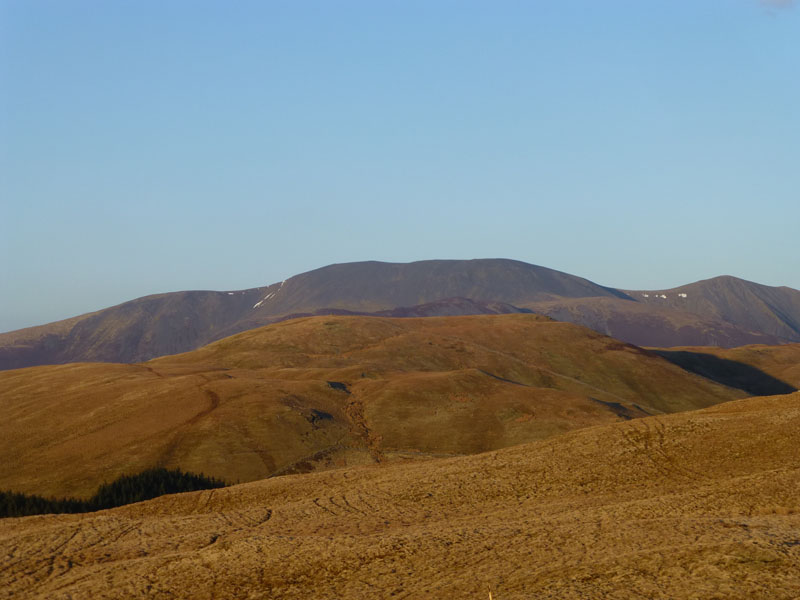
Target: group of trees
<point>123,490</point>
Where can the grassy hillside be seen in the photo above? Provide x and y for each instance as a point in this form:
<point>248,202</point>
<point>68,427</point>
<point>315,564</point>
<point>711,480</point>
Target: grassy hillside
<point>693,505</point>
<point>325,392</point>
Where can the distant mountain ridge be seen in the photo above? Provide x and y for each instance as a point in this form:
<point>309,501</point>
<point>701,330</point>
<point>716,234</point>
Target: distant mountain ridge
<point>770,310</point>
<point>723,311</point>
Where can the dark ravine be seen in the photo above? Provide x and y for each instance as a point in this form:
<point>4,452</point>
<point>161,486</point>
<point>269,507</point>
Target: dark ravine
<point>723,311</point>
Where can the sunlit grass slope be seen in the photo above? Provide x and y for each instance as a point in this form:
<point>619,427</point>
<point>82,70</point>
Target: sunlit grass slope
<point>325,392</point>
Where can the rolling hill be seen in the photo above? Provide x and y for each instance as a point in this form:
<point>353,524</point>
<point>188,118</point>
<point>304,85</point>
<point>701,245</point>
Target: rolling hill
<point>724,311</point>
<point>699,505</point>
<point>321,392</point>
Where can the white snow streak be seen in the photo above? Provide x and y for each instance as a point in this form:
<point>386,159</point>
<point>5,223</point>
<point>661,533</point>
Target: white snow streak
<point>270,295</point>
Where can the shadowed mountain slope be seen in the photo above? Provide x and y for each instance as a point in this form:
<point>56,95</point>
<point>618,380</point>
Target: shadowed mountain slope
<point>751,306</point>
<point>694,505</point>
<point>728,372</point>
<point>649,324</point>
<point>373,286</point>
<point>448,307</point>
<point>322,392</point>
<point>136,330</point>
<point>724,311</point>
<point>177,322</point>
<point>776,368</point>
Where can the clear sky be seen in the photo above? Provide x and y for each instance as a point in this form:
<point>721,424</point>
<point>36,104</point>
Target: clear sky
<point>156,146</point>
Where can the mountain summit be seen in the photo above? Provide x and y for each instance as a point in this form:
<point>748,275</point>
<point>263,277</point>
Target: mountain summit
<point>724,311</point>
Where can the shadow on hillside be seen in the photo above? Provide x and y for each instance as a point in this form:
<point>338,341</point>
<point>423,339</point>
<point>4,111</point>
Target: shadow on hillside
<point>728,372</point>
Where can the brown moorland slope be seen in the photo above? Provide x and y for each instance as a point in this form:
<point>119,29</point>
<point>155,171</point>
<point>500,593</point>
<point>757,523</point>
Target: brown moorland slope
<point>700,505</point>
<point>322,392</point>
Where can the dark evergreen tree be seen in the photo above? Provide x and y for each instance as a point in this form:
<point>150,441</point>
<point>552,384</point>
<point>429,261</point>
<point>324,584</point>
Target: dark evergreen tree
<point>149,484</point>
<point>123,490</point>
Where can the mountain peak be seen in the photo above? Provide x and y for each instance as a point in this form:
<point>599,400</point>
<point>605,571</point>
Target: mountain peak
<point>725,310</point>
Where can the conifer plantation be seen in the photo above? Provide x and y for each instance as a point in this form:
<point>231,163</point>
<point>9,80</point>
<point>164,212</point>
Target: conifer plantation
<point>126,489</point>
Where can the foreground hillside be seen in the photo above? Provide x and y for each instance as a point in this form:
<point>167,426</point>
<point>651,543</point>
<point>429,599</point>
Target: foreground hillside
<point>723,311</point>
<point>694,505</point>
<point>323,392</point>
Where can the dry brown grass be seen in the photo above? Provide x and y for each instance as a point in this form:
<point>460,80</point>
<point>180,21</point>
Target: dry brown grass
<point>700,505</point>
<point>258,403</point>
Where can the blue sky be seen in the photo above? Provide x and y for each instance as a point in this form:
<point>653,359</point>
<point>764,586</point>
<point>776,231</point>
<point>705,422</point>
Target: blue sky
<point>155,146</point>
